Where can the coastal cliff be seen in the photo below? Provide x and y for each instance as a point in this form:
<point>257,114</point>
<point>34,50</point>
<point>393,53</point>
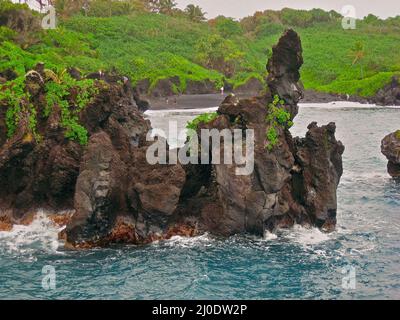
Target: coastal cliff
<point>114,195</point>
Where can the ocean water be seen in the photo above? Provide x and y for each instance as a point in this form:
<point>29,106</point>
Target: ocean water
<point>361,260</point>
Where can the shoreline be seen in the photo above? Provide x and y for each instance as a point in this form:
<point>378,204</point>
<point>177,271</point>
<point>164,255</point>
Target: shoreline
<point>213,100</point>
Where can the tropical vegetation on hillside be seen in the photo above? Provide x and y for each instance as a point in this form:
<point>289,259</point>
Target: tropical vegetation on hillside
<point>153,40</point>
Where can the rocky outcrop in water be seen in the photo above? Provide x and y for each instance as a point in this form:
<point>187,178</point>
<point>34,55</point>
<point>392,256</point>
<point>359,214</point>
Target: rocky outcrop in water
<point>118,197</point>
<point>294,182</point>
<point>391,149</point>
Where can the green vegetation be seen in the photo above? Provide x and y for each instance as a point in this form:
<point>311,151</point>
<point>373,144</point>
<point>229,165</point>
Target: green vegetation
<point>203,118</point>
<point>58,87</point>
<point>277,118</point>
<point>58,93</point>
<point>272,137</point>
<point>146,45</point>
<point>358,53</point>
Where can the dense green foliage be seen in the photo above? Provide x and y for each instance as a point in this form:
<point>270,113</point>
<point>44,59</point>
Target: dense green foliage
<point>58,88</point>
<point>203,118</point>
<point>153,46</point>
<point>58,93</point>
<point>277,118</point>
<point>154,40</point>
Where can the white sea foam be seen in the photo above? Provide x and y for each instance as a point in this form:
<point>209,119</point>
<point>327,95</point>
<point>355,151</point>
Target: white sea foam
<point>185,242</point>
<point>40,235</point>
<point>305,236</point>
<point>350,176</point>
<point>270,236</point>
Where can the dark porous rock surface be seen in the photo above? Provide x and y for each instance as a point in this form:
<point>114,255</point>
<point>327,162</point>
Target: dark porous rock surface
<point>284,70</point>
<point>165,87</point>
<point>390,94</point>
<point>295,182</point>
<point>117,196</point>
<point>253,86</point>
<point>391,149</point>
<point>200,87</point>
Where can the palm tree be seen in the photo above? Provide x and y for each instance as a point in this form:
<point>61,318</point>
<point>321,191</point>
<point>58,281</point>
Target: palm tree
<point>195,13</point>
<point>165,6</point>
<point>358,53</point>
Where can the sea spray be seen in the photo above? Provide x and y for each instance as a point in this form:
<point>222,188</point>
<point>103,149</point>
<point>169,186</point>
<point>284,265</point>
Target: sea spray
<point>26,240</point>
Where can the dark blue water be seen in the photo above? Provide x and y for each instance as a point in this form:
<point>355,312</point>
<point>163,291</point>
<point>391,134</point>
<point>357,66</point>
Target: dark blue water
<point>293,264</point>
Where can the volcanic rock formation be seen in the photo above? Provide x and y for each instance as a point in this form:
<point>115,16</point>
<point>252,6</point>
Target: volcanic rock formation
<point>118,197</point>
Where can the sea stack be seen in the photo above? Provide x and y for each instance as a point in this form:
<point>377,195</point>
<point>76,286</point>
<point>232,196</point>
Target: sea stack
<point>294,179</point>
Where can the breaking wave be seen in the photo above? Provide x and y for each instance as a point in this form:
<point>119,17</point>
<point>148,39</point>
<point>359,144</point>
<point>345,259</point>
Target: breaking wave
<point>26,240</point>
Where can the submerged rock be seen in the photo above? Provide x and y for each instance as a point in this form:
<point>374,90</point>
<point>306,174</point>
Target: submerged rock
<point>118,197</point>
<point>391,149</point>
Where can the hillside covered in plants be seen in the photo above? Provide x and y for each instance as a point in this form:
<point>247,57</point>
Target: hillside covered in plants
<point>152,41</point>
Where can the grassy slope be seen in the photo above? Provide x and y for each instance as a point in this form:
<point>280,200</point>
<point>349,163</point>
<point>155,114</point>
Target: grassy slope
<point>155,46</point>
<point>328,64</point>
<point>146,46</point>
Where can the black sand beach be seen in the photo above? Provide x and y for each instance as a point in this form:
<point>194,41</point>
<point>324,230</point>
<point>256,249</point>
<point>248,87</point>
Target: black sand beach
<point>190,101</point>
<point>200,101</point>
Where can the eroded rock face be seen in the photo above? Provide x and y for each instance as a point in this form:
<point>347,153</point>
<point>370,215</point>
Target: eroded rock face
<point>319,158</point>
<point>37,175</point>
<point>252,86</point>
<point>391,149</point>
<point>200,87</point>
<point>295,182</point>
<point>119,196</point>
<point>165,87</point>
<point>284,69</point>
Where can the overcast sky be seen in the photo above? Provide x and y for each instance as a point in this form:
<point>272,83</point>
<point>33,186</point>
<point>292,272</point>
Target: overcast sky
<point>243,8</point>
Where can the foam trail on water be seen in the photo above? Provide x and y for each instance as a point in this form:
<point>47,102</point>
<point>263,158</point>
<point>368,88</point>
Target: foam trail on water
<point>187,242</point>
<point>306,236</point>
<point>270,236</point>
